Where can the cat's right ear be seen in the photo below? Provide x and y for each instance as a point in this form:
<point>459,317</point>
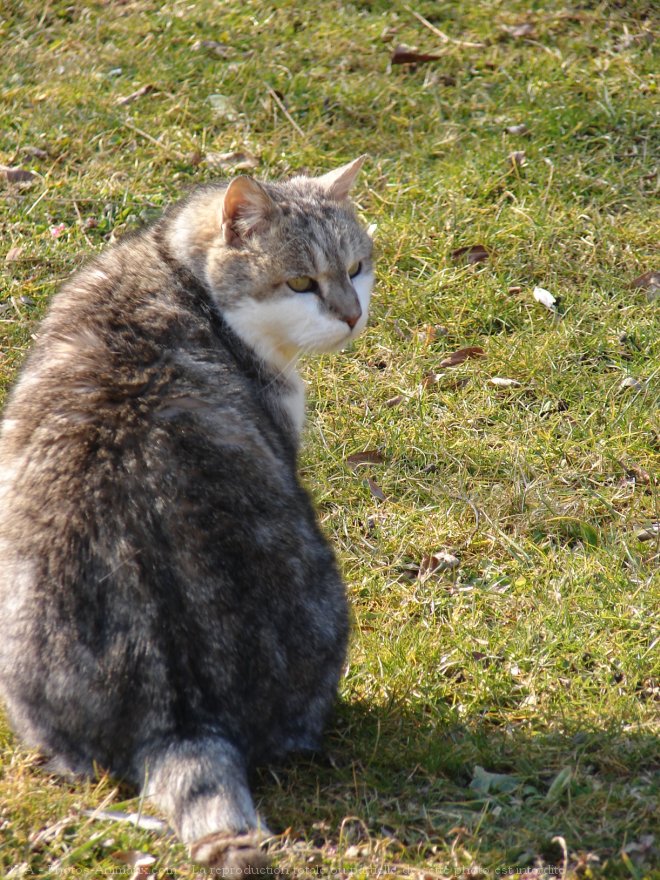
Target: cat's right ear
<point>246,206</point>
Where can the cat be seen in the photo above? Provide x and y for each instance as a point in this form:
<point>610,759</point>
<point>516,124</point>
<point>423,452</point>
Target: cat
<point>169,609</point>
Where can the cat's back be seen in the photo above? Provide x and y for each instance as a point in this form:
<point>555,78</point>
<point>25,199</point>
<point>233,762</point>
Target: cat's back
<point>149,500</point>
<point>131,410</point>
<point>128,351</point>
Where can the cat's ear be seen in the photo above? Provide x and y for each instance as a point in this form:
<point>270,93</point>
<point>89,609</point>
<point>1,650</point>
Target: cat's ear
<point>246,206</point>
<point>337,184</point>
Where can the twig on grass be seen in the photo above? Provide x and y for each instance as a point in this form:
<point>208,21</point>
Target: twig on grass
<point>144,134</point>
<point>441,34</point>
<point>280,104</point>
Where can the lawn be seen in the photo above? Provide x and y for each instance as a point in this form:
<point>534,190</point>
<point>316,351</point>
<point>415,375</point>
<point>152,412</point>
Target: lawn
<point>500,712</point>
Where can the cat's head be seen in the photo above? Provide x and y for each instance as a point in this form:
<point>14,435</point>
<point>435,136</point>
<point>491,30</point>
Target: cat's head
<point>288,263</point>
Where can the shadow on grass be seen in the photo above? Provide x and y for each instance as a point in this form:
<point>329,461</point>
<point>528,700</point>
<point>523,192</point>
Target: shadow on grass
<point>422,786</point>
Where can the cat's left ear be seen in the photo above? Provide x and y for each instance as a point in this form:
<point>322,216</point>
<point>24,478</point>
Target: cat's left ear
<point>337,184</point>
<point>246,206</point>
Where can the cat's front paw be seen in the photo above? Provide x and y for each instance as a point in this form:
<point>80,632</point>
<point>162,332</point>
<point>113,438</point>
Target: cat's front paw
<point>233,855</point>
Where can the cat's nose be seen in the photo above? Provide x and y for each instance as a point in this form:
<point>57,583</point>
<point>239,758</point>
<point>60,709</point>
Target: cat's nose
<point>353,317</point>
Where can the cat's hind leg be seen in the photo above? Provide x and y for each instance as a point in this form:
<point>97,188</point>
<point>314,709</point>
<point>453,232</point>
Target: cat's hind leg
<point>201,786</point>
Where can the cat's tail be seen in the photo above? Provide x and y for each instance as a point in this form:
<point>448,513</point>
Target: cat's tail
<point>201,786</point>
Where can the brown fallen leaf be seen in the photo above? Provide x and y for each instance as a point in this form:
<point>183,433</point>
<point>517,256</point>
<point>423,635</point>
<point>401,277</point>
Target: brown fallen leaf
<point>395,401</point>
<point>436,562</point>
<point>514,289</point>
<point>128,99</point>
<point>518,158</point>
<point>388,34</point>
<point>473,253</point>
<point>548,407</point>
<point>455,384</point>
<point>235,160</point>
<point>376,491</point>
<point>650,533</point>
<point>631,382</point>
<point>458,357</point>
<point>35,152</point>
<point>431,378</point>
<point>219,49</point>
<point>369,456</point>
<point>404,54</point>
<point>17,175</point>
<point>428,333</point>
<point>638,472</point>
<point>525,29</point>
<point>647,281</point>
<point>521,128</point>
<point>13,254</point>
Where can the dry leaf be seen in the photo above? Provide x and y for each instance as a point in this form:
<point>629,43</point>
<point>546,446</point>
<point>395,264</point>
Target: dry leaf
<point>458,357</point>
<point>219,49</point>
<point>370,456</point>
<point>474,253</point>
<point>552,406</point>
<point>647,281</point>
<point>544,297</point>
<point>134,858</point>
<point>514,289</point>
<point>388,34</point>
<point>504,383</point>
<point>14,254</point>
<point>518,158</point>
<point>404,54</point>
<point>429,333</point>
<point>455,384</point>
<point>431,378</point>
<point>395,401</point>
<point>376,491</point>
<point>638,472</point>
<point>525,29</point>
<point>650,533</point>
<point>17,175</point>
<point>235,160</point>
<point>223,107</point>
<point>35,152</point>
<point>143,90</point>
<point>631,382</point>
<point>437,562</point>
<point>521,128</point>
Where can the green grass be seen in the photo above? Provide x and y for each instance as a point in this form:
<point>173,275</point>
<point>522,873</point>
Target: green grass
<point>536,658</point>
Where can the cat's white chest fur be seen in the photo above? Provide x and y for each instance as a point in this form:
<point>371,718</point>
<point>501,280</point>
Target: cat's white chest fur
<point>293,402</point>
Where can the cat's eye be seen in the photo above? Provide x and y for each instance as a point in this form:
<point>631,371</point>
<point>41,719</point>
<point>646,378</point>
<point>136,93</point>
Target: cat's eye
<point>354,269</point>
<point>302,284</point>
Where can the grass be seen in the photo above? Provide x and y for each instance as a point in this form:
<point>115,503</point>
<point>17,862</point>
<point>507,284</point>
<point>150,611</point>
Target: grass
<point>498,718</point>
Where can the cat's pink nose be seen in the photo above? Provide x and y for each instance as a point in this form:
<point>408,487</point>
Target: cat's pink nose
<point>353,318</point>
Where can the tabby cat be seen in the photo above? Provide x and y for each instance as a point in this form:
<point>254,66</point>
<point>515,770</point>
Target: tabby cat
<point>169,610</point>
